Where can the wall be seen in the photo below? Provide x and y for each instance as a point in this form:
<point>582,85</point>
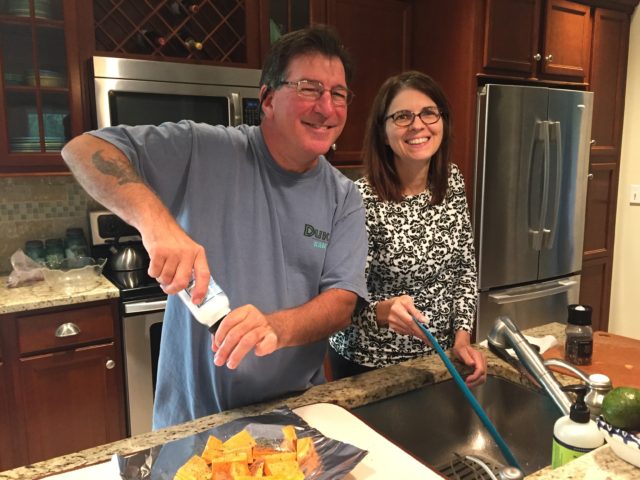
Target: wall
<point>624,318</point>
<point>39,207</point>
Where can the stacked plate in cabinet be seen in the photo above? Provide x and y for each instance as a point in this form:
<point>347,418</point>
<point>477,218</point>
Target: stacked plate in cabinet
<point>14,78</point>
<point>32,144</point>
<point>20,8</point>
<point>48,78</point>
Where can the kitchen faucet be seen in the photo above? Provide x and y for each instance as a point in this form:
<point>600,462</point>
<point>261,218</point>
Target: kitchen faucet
<point>505,334</point>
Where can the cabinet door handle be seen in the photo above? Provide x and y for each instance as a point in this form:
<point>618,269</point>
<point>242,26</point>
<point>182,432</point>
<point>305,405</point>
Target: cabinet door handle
<point>67,330</point>
<point>590,176</point>
<point>549,58</point>
<point>110,364</point>
<point>592,142</point>
<point>537,57</point>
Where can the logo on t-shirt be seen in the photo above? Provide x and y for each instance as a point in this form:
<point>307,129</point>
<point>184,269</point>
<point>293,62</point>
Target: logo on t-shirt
<point>322,238</point>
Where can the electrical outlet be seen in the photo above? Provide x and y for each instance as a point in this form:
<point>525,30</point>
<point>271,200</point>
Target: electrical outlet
<point>635,195</point>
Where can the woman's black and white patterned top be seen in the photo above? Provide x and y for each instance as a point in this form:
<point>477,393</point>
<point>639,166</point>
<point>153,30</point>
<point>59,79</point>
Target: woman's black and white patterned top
<point>417,249</point>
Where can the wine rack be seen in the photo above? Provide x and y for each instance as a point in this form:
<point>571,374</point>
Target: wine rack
<point>208,30</point>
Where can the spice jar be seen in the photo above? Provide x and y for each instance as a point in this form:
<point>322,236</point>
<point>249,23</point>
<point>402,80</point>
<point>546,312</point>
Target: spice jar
<point>578,347</point>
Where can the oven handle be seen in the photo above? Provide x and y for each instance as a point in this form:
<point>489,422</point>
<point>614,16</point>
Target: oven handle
<point>144,307</point>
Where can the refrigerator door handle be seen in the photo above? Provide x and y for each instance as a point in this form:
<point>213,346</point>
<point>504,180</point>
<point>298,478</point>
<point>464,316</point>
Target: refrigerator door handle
<point>550,231</point>
<point>559,287</point>
<point>541,133</point>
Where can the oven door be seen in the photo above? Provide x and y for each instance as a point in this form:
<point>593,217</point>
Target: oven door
<point>142,328</point>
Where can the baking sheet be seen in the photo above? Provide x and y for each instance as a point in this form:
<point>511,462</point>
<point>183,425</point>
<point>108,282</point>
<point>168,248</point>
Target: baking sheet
<point>162,462</point>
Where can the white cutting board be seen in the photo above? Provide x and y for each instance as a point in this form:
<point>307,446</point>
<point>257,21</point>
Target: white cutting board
<point>101,471</point>
<point>384,460</point>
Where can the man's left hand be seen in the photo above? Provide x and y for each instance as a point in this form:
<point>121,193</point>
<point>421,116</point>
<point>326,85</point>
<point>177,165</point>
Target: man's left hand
<point>243,329</point>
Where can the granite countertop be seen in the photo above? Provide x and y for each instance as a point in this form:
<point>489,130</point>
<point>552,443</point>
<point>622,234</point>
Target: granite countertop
<point>41,295</point>
<point>348,393</point>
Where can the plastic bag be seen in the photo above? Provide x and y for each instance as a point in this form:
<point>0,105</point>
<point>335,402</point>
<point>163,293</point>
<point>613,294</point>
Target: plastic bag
<point>26,271</point>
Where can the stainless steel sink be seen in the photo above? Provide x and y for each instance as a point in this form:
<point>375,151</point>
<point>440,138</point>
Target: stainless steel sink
<point>437,424</point>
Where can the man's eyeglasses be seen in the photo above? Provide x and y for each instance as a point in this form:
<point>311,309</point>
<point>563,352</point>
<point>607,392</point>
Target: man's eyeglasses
<point>313,90</point>
<point>404,118</point>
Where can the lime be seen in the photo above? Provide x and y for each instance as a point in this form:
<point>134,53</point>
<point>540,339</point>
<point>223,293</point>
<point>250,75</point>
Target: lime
<point>621,408</point>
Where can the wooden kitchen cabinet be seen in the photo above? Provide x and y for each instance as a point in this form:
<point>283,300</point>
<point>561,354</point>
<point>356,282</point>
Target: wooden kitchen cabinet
<point>537,39</point>
<point>70,400</point>
<point>5,444</point>
<point>68,391</point>
<point>608,82</point>
<point>9,456</point>
<point>40,102</point>
<point>377,33</point>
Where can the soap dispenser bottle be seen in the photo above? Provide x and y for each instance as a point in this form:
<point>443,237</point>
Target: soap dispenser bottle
<point>574,434</point>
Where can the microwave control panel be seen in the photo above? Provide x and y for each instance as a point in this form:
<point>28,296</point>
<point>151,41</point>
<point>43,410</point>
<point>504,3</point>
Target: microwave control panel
<point>251,111</point>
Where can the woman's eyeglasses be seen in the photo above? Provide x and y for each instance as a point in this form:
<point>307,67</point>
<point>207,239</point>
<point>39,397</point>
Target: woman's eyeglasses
<point>313,90</point>
<point>404,118</point>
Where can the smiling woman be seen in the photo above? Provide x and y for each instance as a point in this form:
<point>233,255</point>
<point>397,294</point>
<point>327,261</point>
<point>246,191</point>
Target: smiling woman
<point>421,260</point>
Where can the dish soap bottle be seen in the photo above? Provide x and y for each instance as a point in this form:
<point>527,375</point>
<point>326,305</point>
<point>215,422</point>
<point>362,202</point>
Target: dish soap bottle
<point>574,434</point>
<point>213,308</point>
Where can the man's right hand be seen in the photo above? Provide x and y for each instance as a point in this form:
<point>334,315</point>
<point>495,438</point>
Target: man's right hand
<point>175,258</point>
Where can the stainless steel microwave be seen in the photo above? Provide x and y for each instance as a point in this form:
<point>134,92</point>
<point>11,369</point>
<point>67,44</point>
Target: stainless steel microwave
<point>147,92</point>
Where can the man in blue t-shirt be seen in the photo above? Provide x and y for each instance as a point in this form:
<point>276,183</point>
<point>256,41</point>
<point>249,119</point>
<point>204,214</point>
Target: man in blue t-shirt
<point>258,208</point>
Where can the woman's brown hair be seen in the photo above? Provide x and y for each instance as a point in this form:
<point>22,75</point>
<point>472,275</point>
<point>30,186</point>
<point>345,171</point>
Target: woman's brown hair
<point>378,156</point>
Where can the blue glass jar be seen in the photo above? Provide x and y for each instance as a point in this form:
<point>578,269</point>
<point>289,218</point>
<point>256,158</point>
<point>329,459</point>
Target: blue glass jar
<point>75,243</point>
<point>35,250</point>
<point>54,252</point>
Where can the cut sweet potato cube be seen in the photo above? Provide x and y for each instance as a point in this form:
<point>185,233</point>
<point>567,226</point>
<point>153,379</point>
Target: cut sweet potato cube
<point>239,440</point>
<point>289,442</point>
<point>212,449</point>
<point>196,468</point>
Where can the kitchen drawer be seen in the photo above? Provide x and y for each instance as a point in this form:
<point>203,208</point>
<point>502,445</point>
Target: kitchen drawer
<point>37,333</point>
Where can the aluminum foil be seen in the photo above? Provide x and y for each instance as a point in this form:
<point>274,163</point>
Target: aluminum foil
<point>161,462</point>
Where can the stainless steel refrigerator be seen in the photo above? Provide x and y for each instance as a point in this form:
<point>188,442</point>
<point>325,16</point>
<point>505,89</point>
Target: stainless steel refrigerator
<point>530,189</point>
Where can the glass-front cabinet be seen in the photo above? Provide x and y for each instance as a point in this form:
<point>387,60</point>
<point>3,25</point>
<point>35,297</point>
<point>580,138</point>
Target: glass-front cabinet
<point>36,98</point>
<point>286,16</point>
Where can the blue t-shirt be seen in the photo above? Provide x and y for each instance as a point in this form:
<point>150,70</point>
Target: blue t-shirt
<point>273,238</point>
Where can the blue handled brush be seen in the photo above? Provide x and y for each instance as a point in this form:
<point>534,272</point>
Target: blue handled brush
<point>470,398</point>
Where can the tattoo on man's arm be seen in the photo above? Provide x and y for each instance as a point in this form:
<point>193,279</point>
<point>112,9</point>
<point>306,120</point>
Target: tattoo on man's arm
<point>115,167</point>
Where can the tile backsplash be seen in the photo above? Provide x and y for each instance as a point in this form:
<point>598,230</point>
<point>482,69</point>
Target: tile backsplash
<point>39,207</point>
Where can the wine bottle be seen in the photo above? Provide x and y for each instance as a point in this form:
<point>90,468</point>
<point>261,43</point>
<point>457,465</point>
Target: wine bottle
<point>150,38</point>
<point>180,7</point>
<point>192,45</point>
<point>192,6</point>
